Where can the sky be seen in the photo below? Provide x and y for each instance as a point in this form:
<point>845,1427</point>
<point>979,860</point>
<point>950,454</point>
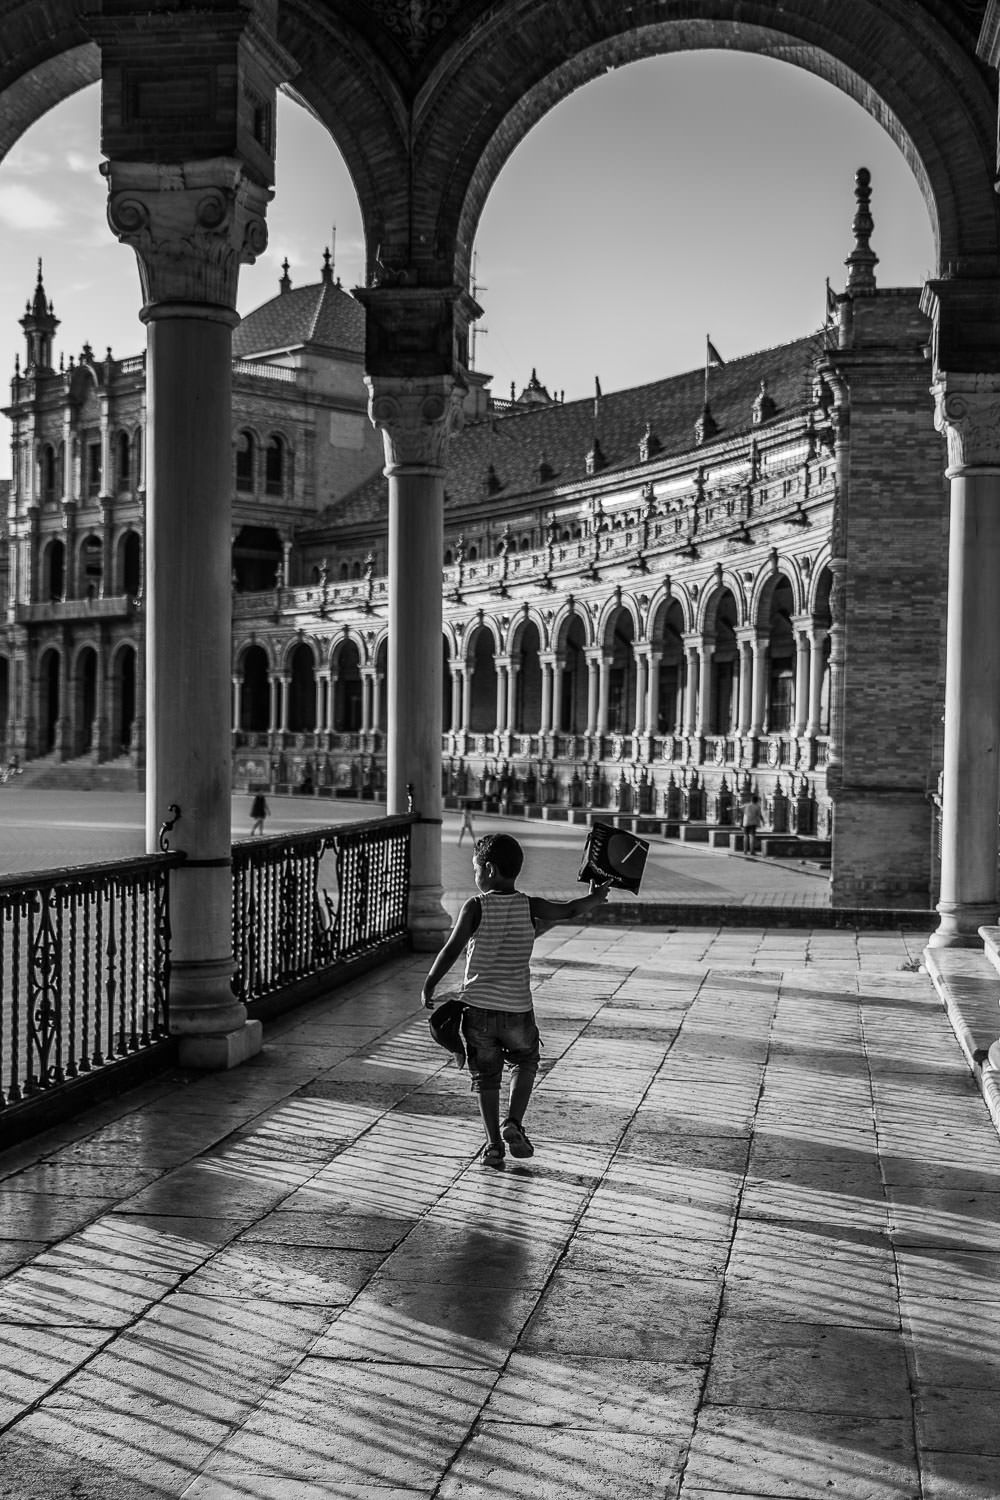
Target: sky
<point>695,194</point>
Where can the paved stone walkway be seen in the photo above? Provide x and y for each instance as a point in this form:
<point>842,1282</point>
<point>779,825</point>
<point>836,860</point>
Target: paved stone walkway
<point>756,1253</point>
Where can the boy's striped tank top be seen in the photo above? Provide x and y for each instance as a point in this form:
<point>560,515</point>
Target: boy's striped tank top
<point>498,955</point>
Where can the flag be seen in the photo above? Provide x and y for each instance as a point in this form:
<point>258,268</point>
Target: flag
<point>597,397</point>
<point>713,359</point>
<point>831,302</point>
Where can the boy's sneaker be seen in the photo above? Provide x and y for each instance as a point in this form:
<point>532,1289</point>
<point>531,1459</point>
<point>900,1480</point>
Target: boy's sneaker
<point>516,1139</point>
<point>492,1156</point>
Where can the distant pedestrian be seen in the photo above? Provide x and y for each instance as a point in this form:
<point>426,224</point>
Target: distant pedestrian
<point>259,810</point>
<point>752,815</point>
<point>466,821</point>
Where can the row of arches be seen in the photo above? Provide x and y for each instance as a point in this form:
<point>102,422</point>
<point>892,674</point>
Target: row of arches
<point>89,704</point>
<point>262,466</point>
<point>81,575</point>
<point>590,673</point>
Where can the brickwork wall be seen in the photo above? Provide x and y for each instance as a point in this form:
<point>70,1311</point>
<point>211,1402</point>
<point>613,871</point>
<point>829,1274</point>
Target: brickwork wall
<point>895,603</point>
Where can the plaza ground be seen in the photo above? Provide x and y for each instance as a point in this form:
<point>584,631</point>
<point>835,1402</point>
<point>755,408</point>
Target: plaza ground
<point>755,1253</point>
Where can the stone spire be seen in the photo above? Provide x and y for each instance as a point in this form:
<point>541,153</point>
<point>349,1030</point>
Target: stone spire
<point>327,272</point>
<point>39,324</point>
<point>285,284</point>
<point>862,260</point>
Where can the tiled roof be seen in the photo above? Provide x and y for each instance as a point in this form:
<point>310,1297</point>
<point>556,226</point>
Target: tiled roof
<point>322,314</point>
<point>517,443</point>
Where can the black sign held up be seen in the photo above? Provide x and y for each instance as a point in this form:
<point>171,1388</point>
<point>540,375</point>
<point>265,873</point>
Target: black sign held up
<point>612,856</point>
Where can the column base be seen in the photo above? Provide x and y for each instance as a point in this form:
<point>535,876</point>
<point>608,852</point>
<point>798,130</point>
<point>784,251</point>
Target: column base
<point>960,924</point>
<point>226,1050</point>
<point>429,923</point>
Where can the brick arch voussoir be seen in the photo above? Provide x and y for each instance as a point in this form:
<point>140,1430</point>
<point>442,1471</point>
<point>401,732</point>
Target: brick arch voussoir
<point>909,70</point>
<point>610,610</point>
<point>710,598</point>
<point>352,91</point>
<point>493,630</point>
<point>46,55</point>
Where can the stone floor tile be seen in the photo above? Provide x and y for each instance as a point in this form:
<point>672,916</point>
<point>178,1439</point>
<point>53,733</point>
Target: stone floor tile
<point>800,1455</point>
<point>788,1272</point>
<point>357,1426</point>
<point>947,1275</point>
<point>601,1314</point>
<point>640,1396</point>
<point>429,1323</point>
<point>34,1360</point>
<point>544,1463</point>
<point>288,1225</point>
<point>440,1251</point>
<point>955,1344</point>
<point>313,1274</point>
<point>814,1367</point>
<point>943,1218</point>
<point>663,1197</point>
<point>958,1421</point>
<point>958,1476</point>
<point>681,1256</point>
<point>241,1180</point>
<point>47,1216</point>
<point>827,1193</point>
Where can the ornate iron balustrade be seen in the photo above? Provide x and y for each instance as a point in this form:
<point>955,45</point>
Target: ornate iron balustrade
<point>305,903</point>
<point>84,972</point>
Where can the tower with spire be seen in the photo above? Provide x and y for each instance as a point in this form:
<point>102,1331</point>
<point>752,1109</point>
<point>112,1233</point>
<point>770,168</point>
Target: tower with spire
<point>39,324</point>
<point>862,260</point>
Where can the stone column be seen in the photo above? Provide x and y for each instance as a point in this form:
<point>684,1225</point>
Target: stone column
<point>817,639</point>
<point>746,686</point>
<point>558,670</point>
<point>705,724</point>
<point>593,669</point>
<point>416,416</point>
<point>691,691</point>
<point>283,685</point>
<point>641,693</point>
<point>802,649</point>
<point>968,412</point>
<point>273,701</point>
<point>653,695</point>
<point>191,224</point>
<point>603,693</point>
<point>514,725</point>
<point>465,676</point>
<point>500,667</point>
<point>318,687</point>
<point>758,693</point>
<point>237,701</point>
<point>545,717</point>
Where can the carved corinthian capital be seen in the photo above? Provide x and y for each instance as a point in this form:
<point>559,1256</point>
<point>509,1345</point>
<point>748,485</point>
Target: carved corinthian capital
<point>967,411</point>
<point>416,416</point>
<point>191,225</point>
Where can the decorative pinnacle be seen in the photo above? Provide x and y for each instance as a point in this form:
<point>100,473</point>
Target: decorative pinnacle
<point>327,272</point>
<point>862,260</point>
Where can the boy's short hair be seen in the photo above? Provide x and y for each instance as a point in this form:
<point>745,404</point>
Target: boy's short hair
<point>502,852</point>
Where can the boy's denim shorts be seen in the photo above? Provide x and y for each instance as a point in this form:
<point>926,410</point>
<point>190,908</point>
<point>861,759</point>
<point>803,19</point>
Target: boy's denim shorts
<point>495,1037</point>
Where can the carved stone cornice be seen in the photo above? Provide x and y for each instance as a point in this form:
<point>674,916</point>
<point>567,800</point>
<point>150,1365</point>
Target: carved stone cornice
<point>967,411</point>
<point>416,417</point>
<point>191,225</point>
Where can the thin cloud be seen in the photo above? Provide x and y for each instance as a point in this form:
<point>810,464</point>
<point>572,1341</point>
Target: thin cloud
<point>78,161</point>
<point>23,208</point>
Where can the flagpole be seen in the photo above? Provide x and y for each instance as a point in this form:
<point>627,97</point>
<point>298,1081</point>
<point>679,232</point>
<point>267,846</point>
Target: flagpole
<point>707,342</point>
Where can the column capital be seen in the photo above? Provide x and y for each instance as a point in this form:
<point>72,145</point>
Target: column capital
<point>416,416</point>
<point>191,225</point>
<point>967,411</point>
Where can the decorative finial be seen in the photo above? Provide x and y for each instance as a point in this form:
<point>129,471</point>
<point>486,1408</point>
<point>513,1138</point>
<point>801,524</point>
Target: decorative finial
<point>327,272</point>
<point>39,270</point>
<point>285,284</point>
<point>862,260</point>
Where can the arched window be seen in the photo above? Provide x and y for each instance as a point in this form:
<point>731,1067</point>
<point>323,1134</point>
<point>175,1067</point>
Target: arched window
<point>246,462</point>
<point>48,474</point>
<point>274,466</point>
<point>130,565</point>
<point>56,570</point>
<point>91,567</point>
<point>124,461</point>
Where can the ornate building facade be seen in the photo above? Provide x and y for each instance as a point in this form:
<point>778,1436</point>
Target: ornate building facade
<point>646,595</point>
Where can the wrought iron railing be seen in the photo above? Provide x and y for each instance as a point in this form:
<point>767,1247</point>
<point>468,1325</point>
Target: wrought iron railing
<point>306,903</point>
<point>84,971</point>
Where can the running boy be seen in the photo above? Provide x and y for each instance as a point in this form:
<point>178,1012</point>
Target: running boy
<point>497,928</point>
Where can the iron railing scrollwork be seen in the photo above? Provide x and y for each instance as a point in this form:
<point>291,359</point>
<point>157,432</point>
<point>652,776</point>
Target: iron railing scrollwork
<point>84,971</point>
<point>305,903</point>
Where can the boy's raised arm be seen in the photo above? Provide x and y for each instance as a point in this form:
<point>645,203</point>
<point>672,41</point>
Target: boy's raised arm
<point>545,913</point>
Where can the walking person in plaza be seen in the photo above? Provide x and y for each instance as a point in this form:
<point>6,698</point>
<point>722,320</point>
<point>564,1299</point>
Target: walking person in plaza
<point>497,930</point>
<point>466,822</point>
<point>259,810</point>
<point>752,815</point>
